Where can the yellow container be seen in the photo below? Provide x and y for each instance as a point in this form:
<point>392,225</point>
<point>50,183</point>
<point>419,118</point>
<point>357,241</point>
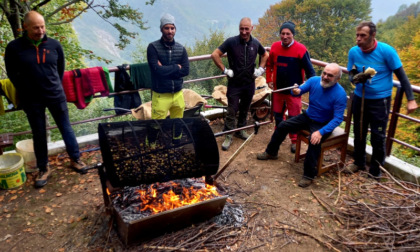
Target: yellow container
<point>12,171</point>
<point>26,148</point>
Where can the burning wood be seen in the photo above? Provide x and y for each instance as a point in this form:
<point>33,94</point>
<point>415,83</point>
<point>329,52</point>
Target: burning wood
<point>146,200</point>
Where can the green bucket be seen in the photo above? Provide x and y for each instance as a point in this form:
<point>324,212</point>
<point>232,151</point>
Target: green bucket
<point>12,171</point>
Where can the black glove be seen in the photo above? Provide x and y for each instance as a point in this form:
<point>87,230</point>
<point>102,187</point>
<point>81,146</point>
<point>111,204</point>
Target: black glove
<point>361,78</point>
<point>352,73</point>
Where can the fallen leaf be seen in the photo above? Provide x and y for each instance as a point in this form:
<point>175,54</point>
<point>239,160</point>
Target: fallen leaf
<point>42,191</point>
<point>47,209</point>
<point>58,194</point>
<point>13,198</point>
<point>1,198</point>
<point>31,214</point>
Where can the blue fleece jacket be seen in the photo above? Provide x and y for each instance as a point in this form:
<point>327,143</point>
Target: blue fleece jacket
<point>326,105</point>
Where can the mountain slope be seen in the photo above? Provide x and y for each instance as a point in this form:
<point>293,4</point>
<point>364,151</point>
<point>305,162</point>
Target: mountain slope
<point>194,19</point>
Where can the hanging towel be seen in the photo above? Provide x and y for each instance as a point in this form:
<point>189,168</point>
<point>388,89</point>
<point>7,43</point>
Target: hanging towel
<point>94,81</point>
<point>140,75</point>
<point>9,91</point>
<point>68,86</point>
<point>108,79</point>
<point>122,83</point>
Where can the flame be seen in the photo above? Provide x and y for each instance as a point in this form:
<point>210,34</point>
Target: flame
<point>107,191</point>
<point>155,202</point>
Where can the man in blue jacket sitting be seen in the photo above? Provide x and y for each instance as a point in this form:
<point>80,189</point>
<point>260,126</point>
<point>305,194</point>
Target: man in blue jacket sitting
<point>327,102</point>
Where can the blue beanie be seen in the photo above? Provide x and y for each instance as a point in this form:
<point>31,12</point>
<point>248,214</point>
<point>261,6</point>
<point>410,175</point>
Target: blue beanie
<point>289,25</point>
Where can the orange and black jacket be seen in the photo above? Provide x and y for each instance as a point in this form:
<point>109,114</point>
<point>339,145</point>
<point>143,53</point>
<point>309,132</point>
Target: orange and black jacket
<point>36,71</point>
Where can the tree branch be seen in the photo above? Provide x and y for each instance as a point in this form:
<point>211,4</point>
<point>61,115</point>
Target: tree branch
<point>65,5</point>
<point>71,20</point>
<point>41,4</point>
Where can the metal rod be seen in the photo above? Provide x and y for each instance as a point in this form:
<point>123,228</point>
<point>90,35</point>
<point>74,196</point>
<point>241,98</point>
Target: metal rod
<point>285,89</point>
<point>233,156</point>
<point>238,129</point>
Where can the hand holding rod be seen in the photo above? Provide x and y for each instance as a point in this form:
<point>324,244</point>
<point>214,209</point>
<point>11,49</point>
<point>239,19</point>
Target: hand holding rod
<point>285,89</point>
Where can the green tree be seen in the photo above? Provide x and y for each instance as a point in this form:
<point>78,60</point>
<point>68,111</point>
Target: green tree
<point>62,12</point>
<point>325,27</point>
<point>206,68</point>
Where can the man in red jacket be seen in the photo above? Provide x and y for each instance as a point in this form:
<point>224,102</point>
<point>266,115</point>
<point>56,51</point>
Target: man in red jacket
<point>35,65</point>
<point>287,64</point>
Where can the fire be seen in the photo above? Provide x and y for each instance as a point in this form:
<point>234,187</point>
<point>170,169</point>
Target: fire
<point>176,196</point>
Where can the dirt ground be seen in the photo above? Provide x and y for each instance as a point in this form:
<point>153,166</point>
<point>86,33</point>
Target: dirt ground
<point>68,214</point>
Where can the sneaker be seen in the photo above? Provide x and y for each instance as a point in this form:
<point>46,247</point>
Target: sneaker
<point>266,156</point>
<point>226,144</point>
<point>305,182</point>
<point>352,168</point>
<point>293,148</point>
<point>78,166</point>
<point>241,134</point>
<point>42,178</point>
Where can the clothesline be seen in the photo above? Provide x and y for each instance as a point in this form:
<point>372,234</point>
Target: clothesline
<point>82,85</point>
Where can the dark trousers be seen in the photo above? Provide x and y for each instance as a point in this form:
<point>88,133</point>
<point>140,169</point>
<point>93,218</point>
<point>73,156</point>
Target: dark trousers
<point>300,122</point>
<point>375,116</point>
<point>36,117</point>
<point>239,99</point>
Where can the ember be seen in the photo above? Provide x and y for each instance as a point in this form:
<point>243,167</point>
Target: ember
<point>146,200</point>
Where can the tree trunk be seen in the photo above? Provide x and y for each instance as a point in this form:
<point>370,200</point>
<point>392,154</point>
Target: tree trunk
<point>14,16</point>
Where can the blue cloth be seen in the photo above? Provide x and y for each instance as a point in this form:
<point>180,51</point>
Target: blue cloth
<point>326,105</point>
<point>384,59</point>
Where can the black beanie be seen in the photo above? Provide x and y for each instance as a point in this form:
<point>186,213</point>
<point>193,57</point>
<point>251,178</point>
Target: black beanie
<point>289,25</point>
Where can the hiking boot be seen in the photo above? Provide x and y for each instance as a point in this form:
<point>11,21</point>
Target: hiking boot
<point>305,182</point>
<point>78,166</point>
<point>226,144</point>
<point>241,134</point>
<point>352,168</point>
<point>376,178</point>
<point>293,148</point>
<point>42,178</point>
<point>266,156</point>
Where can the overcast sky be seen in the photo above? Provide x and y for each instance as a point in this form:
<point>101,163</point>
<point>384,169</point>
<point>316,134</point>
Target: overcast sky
<point>381,9</point>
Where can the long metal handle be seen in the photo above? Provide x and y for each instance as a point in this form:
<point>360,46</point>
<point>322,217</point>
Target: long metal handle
<point>122,109</point>
<point>285,89</point>
<point>233,156</point>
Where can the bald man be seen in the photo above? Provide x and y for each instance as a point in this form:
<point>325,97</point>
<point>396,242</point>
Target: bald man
<point>327,102</point>
<point>35,65</point>
<point>242,51</point>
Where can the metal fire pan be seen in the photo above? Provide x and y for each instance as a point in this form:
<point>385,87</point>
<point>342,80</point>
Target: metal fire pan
<point>168,221</point>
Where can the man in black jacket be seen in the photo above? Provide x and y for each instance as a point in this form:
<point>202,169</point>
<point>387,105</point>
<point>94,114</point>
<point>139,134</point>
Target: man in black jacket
<point>168,62</point>
<point>242,51</point>
<point>35,65</point>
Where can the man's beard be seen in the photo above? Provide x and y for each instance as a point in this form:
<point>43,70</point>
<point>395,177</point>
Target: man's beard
<point>327,84</point>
